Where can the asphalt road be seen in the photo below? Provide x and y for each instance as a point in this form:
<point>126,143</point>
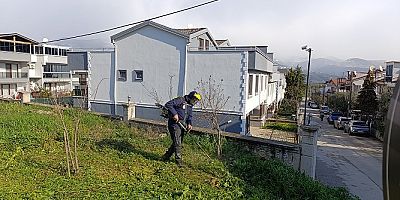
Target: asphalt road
<point>352,162</point>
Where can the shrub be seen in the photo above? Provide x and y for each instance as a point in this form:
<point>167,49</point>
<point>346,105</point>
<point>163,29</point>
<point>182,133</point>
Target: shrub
<point>283,126</point>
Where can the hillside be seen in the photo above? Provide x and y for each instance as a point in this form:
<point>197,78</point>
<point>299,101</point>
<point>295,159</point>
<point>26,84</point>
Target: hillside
<point>117,161</point>
<point>323,69</point>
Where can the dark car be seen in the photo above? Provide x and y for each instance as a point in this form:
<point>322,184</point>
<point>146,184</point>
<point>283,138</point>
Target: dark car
<point>357,127</point>
<point>334,116</point>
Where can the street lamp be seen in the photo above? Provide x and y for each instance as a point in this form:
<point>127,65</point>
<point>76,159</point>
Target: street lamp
<point>308,75</point>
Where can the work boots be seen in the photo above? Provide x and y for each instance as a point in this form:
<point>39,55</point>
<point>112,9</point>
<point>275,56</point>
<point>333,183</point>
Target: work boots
<point>179,163</point>
<point>165,157</point>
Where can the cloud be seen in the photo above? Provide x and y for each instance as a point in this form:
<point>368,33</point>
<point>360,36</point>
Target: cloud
<point>341,28</point>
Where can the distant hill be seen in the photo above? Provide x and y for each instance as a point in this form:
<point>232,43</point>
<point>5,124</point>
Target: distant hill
<point>323,69</point>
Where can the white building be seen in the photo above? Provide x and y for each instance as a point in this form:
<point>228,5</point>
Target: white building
<point>27,65</point>
<point>151,60</point>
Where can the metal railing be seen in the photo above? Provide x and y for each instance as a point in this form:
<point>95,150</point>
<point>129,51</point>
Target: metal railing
<point>55,75</point>
<point>4,75</point>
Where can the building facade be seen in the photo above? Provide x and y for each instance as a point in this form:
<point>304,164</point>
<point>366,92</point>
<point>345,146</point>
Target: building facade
<point>154,63</point>
<point>27,65</point>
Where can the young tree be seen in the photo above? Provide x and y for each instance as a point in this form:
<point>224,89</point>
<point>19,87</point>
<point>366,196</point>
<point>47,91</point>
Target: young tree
<point>295,84</point>
<point>383,102</point>
<point>295,88</point>
<point>367,101</point>
<point>212,103</point>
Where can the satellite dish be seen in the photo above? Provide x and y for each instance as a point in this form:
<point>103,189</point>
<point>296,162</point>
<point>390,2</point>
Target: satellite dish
<point>45,40</point>
<point>380,68</point>
<point>391,148</point>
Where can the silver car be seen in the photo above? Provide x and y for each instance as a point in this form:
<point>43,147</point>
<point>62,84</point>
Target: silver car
<point>339,124</point>
<point>356,127</point>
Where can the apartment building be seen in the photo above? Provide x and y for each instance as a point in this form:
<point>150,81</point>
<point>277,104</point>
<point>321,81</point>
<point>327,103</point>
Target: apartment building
<point>27,65</point>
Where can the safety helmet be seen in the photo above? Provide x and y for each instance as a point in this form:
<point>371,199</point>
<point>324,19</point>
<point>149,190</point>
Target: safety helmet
<point>195,95</point>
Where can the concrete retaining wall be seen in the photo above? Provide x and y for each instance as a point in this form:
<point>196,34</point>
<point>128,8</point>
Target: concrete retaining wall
<point>286,152</point>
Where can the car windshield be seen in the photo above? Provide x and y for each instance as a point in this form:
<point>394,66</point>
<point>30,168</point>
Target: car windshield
<point>337,114</point>
<point>359,123</point>
<point>344,119</point>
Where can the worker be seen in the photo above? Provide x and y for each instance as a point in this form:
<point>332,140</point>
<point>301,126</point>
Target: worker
<point>176,109</point>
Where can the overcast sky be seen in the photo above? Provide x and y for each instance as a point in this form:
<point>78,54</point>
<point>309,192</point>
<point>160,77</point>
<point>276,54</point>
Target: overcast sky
<point>343,29</point>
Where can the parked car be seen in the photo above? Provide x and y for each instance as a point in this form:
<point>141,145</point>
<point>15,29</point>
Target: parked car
<point>324,110</point>
<point>313,105</point>
<point>334,116</point>
<point>339,124</point>
<point>357,127</point>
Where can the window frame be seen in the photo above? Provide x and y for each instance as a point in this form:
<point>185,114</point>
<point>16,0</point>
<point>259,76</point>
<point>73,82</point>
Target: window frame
<point>136,74</point>
<point>119,75</point>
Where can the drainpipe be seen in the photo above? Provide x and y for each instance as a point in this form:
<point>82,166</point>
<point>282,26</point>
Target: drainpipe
<point>185,70</point>
<point>89,80</point>
<point>115,78</point>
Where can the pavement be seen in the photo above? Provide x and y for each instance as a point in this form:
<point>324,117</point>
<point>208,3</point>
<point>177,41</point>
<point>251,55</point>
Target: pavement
<point>352,162</point>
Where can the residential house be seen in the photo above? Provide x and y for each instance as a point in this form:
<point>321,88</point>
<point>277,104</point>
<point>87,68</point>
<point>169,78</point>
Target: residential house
<point>392,71</point>
<point>154,63</point>
<point>27,66</point>
<point>15,60</point>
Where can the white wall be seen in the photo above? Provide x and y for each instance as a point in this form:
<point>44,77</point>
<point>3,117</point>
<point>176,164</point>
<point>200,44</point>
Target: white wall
<point>266,95</point>
<point>263,63</point>
<point>101,76</point>
<point>220,65</point>
<point>160,55</point>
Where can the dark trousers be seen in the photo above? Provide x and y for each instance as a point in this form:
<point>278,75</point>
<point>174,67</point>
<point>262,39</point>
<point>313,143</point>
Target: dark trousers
<point>176,134</point>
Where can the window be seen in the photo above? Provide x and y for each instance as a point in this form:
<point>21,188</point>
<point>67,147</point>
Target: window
<point>201,44</point>
<point>47,50</point>
<point>207,44</point>
<point>389,70</point>
<point>122,75</point>
<point>38,50</point>
<point>6,46</point>
<point>256,87</point>
<point>250,85</point>
<point>138,75</point>
<point>389,73</point>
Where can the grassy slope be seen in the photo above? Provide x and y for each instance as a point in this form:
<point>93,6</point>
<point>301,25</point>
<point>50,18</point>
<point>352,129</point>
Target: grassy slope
<point>122,162</point>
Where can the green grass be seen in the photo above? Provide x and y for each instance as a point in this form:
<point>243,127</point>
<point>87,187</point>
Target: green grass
<point>117,161</point>
<point>283,126</point>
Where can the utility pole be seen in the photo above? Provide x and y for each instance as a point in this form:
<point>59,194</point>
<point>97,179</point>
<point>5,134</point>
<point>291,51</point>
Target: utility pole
<point>350,76</point>
<point>308,75</point>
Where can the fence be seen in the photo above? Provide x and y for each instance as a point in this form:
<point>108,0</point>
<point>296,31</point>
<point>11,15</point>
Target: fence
<point>50,101</point>
<point>13,75</point>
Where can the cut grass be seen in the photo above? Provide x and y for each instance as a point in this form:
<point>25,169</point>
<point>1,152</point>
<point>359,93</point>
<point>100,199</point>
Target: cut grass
<point>117,161</point>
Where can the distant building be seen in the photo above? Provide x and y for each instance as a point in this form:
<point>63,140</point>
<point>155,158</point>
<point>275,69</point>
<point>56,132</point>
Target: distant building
<point>392,71</point>
<point>151,60</point>
<point>27,65</point>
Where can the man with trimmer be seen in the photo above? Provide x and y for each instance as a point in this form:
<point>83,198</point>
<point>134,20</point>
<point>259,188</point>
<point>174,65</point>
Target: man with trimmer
<point>176,113</point>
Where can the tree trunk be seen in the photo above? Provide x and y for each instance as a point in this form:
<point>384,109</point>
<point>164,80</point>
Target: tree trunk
<point>219,146</point>
<point>76,145</point>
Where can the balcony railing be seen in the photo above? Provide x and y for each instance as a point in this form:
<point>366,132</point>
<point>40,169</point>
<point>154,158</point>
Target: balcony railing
<point>56,75</point>
<point>4,75</point>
